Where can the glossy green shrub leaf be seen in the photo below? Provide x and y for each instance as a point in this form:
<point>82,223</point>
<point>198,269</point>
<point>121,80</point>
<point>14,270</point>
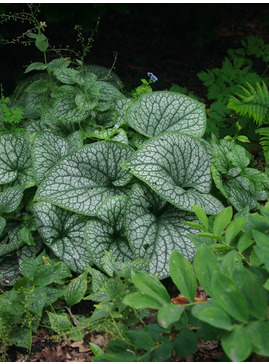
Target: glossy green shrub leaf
<point>258,332</point>
<point>201,215</point>
<point>239,156</point>
<point>157,112</point>
<point>216,317</point>
<point>169,314</point>
<point>140,339</point>
<point>49,148</point>
<point>76,290</point>
<point>236,344</point>
<point>182,274</point>
<point>177,167</point>
<point>154,228</point>
<point>15,160</point>
<point>59,322</point>
<point>252,289</point>
<point>140,300</point>
<point>150,286</point>
<point>85,178</point>
<point>185,343</point>
<point>63,232</point>
<point>66,75</point>
<point>106,232</point>
<point>205,263</point>
<point>262,247</point>
<point>229,263</point>
<point>36,300</point>
<point>36,66</point>
<point>229,298</point>
<point>163,352</point>
<point>234,228</point>
<point>222,220</point>
<point>96,349</point>
<point>85,102</point>
<point>41,42</point>
<point>47,274</point>
<point>10,199</point>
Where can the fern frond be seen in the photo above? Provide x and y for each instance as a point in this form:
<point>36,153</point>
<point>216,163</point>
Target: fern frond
<point>252,102</point>
<point>264,141</point>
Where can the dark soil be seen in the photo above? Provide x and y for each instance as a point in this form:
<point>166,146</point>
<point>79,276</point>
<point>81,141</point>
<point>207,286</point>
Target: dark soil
<point>175,42</point>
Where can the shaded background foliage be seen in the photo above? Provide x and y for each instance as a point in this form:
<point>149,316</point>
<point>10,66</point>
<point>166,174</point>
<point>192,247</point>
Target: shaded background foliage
<point>174,41</point>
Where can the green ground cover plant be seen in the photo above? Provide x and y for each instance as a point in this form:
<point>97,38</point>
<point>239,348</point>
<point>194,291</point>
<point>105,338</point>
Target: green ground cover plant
<point>103,193</point>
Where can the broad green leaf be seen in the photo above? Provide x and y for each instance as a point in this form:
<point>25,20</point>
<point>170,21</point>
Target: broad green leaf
<point>205,263</point>
<point>37,86</point>
<point>258,332</point>
<point>185,343</point>
<point>47,274</point>
<point>10,199</point>
<point>105,74</point>
<point>229,263</point>
<point>177,167</point>
<point>59,322</point>
<point>154,228</point>
<point>140,300</point>
<point>15,160</point>
<point>114,287</point>
<point>157,112</point>
<point>239,156</point>
<point>85,178</point>
<point>36,66</point>
<point>201,215</point>
<point>245,241</point>
<point>234,228</point>
<point>260,222</point>
<point>222,220</point>
<point>52,294</point>
<point>182,275</point>
<point>22,337</point>
<point>76,290</point>
<point>150,286</point>
<point>26,236</point>
<point>236,344</point>
<point>86,79</point>
<point>96,349</point>
<point>169,314</point>
<point>66,75</point>
<point>216,317</point>
<point>163,352</point>
<point>65,109</point>
<point>107,92</point>
<point>99,280</point>
<point>63,232</point>
<point>41,42</point>
<point>58,63</point>
<point>106,232</point>
<point>262,247</point>
<point>252,289</point>
<point>36,300</point>
<point>2,224</point>
<point>85,102</point>
<point>229,298</point>
<point>48,149</point>
<point>140,339</point>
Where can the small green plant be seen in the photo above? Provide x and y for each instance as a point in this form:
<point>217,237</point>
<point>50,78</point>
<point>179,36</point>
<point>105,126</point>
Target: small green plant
<point>145,87</point>
<point>10,116</point>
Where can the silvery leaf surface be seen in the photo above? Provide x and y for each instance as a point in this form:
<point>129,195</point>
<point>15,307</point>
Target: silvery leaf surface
<point>154,228</point>
<point>9,271</point>
<point>163,111</point>
<point>15,160</point>
<point>176,167</point>
<point>2,224</point>
<point>10,199</point>
<point>63,232</point>
<point>49,148</point>
<point>107,232</point>
<point>85,178</point>
<point>66,109</point>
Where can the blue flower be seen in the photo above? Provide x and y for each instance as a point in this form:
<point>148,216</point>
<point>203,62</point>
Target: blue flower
<point>153,78</point>
<point>116,126</point>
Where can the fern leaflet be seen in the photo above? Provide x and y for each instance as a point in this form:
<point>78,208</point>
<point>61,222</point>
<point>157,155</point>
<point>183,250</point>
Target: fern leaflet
<point>254,102</point>
<point>264,141</point>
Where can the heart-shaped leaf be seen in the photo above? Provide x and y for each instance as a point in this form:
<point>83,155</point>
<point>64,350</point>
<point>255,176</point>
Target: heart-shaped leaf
<point>15,160</point>
<point>63,232</point>
<point>107,232</point>
<point>10,199</point>
<point>177,167</point>
<point>85,178</point>
<point>154,228</point>
<point>158,112</point>
<point>49,148</point>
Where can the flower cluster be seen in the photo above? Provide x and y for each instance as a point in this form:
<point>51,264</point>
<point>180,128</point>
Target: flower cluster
<point>152,77</point>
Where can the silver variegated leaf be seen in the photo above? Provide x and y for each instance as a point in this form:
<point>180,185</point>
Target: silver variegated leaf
<point>163,111</point>
<point>10,199</point>
<point>85,178</point>
<point>177,167</point>
<point>63,232</point>
<point>15,160</point>
<point>48,149</point>
<point>107,232</point>
<point>105,74</point>
<point>154,228</point>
